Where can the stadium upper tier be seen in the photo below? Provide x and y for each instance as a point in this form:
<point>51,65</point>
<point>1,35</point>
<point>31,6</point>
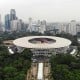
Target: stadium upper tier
<point>42,42</point>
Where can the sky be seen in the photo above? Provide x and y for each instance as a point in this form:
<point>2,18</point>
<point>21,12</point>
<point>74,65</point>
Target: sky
<point>49,10</point>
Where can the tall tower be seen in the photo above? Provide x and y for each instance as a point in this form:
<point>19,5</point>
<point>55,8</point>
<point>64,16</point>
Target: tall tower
<point>13,15</point>
<point>73,27</point>
<point>0,24</point>
<point>7,22</point>
<point>0,21</point>
<point>42,28</point>
<point>0,18</point>
<point>30,25</point>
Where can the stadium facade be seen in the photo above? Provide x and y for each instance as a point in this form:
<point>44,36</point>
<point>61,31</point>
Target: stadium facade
<point>44,46</point>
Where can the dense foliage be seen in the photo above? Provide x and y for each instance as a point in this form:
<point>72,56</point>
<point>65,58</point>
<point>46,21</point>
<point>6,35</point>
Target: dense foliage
<point>14,67</point>
<point>65,67</point>
<point>14,35</point>
<point>70,37</point>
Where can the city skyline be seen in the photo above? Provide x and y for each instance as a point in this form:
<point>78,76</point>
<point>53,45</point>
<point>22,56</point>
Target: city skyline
<point>50,10</point>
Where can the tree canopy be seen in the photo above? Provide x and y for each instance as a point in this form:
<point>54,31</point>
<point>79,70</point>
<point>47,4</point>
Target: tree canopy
<point>65,67</point>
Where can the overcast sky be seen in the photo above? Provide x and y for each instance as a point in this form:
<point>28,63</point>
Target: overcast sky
<point>50,10</point>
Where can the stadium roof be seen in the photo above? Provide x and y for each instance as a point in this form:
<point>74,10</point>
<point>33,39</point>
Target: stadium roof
<point>58,42</point>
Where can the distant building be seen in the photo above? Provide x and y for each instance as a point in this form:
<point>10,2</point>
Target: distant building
<point>78,28</point>
<point>52,28</point>
<point>35,28</point>
<point>0,23</point>
<point>24,27</point>
<point>14,25</point>
<point>72,27</point>
<point>38,22</point>
<point>19,25</point>
<point>42,27</point>
<point>0,18</point>
<point>63,28</point>
<point>7,22</point>
<point>13,15</point>
<point>1,27</point>
<point>30,28</point>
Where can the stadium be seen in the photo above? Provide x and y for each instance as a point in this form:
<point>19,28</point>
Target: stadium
<point>42,48</point>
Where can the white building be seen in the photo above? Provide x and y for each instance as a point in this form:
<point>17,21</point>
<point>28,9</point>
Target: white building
<point>42,27</point>
<point>0,18</point>
<point>72,27</point>
<point>30,28</point>
<point>1,26</point>
<point>15,25</point>
<point>35,28</point>
<point>63,27</point>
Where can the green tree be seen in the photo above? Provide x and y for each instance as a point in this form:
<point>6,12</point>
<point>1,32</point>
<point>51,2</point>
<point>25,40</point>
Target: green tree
<point>9,72</point>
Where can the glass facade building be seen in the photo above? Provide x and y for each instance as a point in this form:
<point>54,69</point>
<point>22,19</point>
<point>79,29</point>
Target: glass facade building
<point>7,22</point>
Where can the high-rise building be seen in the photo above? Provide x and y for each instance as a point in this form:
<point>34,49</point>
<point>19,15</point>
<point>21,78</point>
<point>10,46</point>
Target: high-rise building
<point>13,15</point>
<point>38,22</point>
<point>24,27</point>
<point>9,19</point>
<point>0,18</point>
<point>16,25</point>
<point>0,21</point>
<point>78,28</point>
<point>73,27</point>
<point>19,25</point>
<point>67,28</point>
<point>42,27</point>
<point>7,22</point>
<point>0,24</point>
<point>63,28</point>
<point>30,25</point>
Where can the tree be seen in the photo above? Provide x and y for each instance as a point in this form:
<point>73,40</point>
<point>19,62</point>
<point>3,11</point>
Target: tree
<point>20,76</point>
<point>27,54</point>
<point>9,72</point>
<point>62,59</point>
<point>65,67</point>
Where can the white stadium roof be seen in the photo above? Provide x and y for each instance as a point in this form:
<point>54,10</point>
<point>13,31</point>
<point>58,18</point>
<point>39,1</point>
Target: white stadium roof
<point>59,42</point>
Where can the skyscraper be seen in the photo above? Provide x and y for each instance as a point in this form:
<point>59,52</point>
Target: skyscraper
<point>0,21</point>
<point>13,15</point>
<point>7,22</point>
<point>73,27</point>
<point>78,28</point>
<point>16,25</point>
<point>0,18</point>
<point>0,24</point>
<point>30,25</point>
<point>42,27</point>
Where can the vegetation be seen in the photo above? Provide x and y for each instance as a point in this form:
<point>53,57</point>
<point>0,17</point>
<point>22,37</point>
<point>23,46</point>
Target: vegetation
<point>70,37</point>
<point>14,35</point>
<point>14,67</point>
<point>65,67</point>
